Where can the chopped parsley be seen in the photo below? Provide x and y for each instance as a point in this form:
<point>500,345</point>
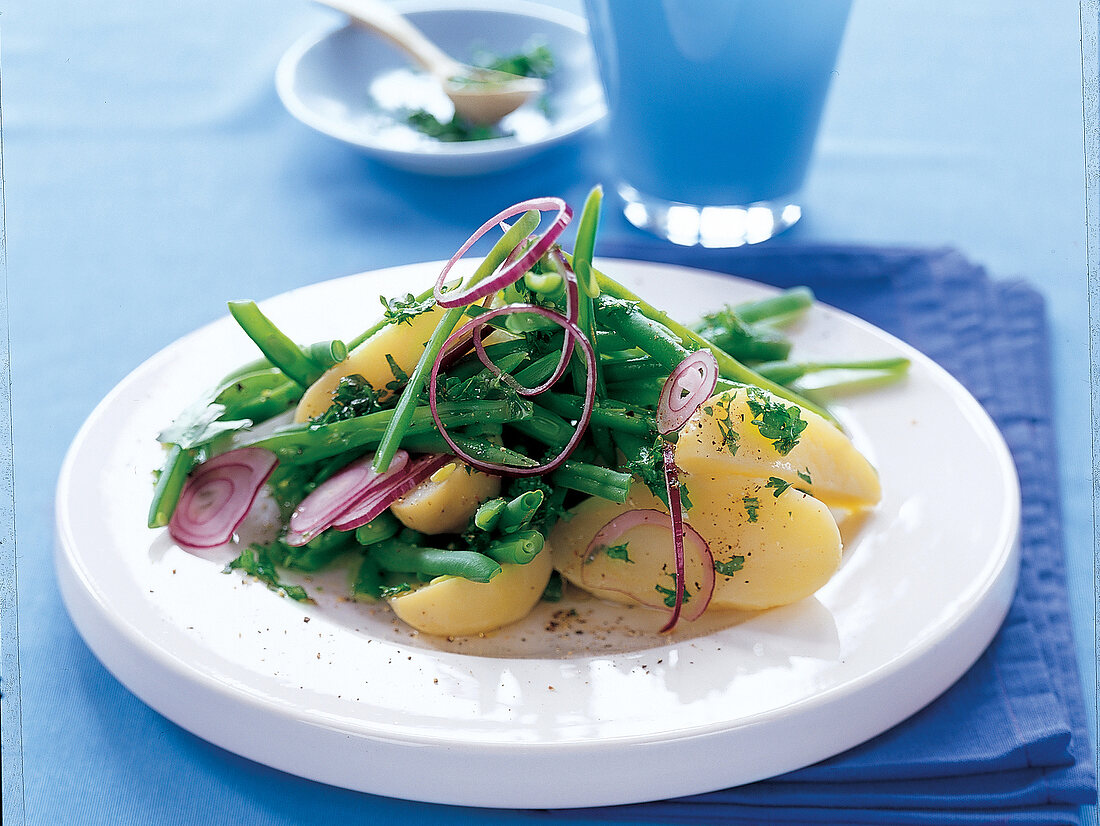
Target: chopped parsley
<point>404,310</point>
<point>735,564</point>
<point>353,397</point>
<point>805,477</point>
<point>752,506</point>
<point>775,421</point>
<point>620,552</point>
<point>256,561</point>
<point>400,377</point>
<point>536,61</point>
<point>387,591</point>
<point>670,593</point>
<point>778,484</point>
<point>450,131</point>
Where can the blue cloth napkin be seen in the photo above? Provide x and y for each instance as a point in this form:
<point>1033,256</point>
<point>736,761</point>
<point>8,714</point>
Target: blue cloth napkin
<point>1008,743</point>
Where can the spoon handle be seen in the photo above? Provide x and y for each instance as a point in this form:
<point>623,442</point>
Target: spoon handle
<point>381,18</point>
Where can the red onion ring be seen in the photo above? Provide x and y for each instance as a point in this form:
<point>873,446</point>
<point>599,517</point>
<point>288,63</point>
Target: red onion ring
<point>334,497</point>
<point>571,330</point>
<point>689,385</point>
<point>512,272</point>
<point>572,309</point>
<point>218,495</point>
<point>672,487</point>
<point>624,522</point>
<point>381,497</point>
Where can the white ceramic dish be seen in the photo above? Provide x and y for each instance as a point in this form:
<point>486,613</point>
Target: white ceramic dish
<point>348,83</point>
<point>563,709</point>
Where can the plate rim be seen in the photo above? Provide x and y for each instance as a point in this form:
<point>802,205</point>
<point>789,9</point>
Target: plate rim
<point>440,155</point>
<point>73,575</point>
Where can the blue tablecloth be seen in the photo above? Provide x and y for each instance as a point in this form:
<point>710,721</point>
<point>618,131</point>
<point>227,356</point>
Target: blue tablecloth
<point>150,173</point>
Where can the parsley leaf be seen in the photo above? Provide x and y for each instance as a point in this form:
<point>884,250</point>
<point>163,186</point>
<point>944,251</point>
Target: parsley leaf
<point>752,505</point>
<point>780,485</point>
<point>353,397</point>
<point>256,561</point>
<point>620,552</point>
<point>451,131</point>
<point>388,591</point>
<point>670,593</point>
<point>775,421</point>
<point>805,477</point>
<point>404,310</point>
<point>400,377</point>
<point>735,564</point>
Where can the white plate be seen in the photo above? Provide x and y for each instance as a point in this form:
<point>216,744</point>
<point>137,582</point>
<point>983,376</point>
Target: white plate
<point>562,709</point>
<point>352,85</point>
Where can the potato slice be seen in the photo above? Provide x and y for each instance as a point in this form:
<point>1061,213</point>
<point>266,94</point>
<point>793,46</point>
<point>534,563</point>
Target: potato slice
<point>455,607</point>
<point>402,342</point>
<point>721,439</point>
<point>768,550</point>
<point>445,502</point>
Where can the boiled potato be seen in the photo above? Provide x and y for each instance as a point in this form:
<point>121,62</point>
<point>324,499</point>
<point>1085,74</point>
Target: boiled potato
<point>452,606</point>
<point>773,550</point>
<point>445,502</point>
<point>722,440</point>
<point>403,342</point>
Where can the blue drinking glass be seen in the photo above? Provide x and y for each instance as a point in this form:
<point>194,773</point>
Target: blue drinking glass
<point>714,108</point>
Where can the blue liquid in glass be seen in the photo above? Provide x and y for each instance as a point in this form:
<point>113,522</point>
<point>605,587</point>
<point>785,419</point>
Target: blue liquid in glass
<point>715,102</point>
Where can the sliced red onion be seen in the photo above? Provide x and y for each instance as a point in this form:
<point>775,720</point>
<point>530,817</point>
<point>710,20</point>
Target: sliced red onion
<point>572,308</point>
<point>602,574</point>
<point>218,495</point>
<point>512,270</point>
<point>675,511</point>
<point>571,330</point>
<point>689,385</point>
<point>330,500</point>
<point>383,495</point>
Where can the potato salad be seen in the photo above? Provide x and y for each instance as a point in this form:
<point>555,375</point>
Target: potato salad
<point>531,427</point>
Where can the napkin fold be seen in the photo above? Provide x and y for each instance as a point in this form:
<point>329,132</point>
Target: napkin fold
<point>1008,743</point>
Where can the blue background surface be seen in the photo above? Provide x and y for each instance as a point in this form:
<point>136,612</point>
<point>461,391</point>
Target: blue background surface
<point>150,173</point>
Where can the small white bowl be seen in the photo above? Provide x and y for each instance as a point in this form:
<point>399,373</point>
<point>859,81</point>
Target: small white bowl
<point>354,86</point>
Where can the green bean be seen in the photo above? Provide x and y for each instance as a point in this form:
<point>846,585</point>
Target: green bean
<point>402,413</point>
<point>606,413</point>
<point>789,303</point>
<point>274,343</point>
<point>517,549</point>
<point>661,342</point>
<point>784,372</point>
<point>585,243</point>
<point>612,342</point>
<point>166,494</point>
<point>392,555</point>
<point>546,427</point>
<point>258,395</point>
<point>471,367</point>
<point>547,283</point>
<point>520,511</point>
<point>304,442</point>
<point>325,354</point>
<point>538,371</point>
<point>481,449</point>
<point>642,367</point>
<point>595,480</point>
<point>383,526</point>
<point>488,514</point>
<point>640,393</point>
